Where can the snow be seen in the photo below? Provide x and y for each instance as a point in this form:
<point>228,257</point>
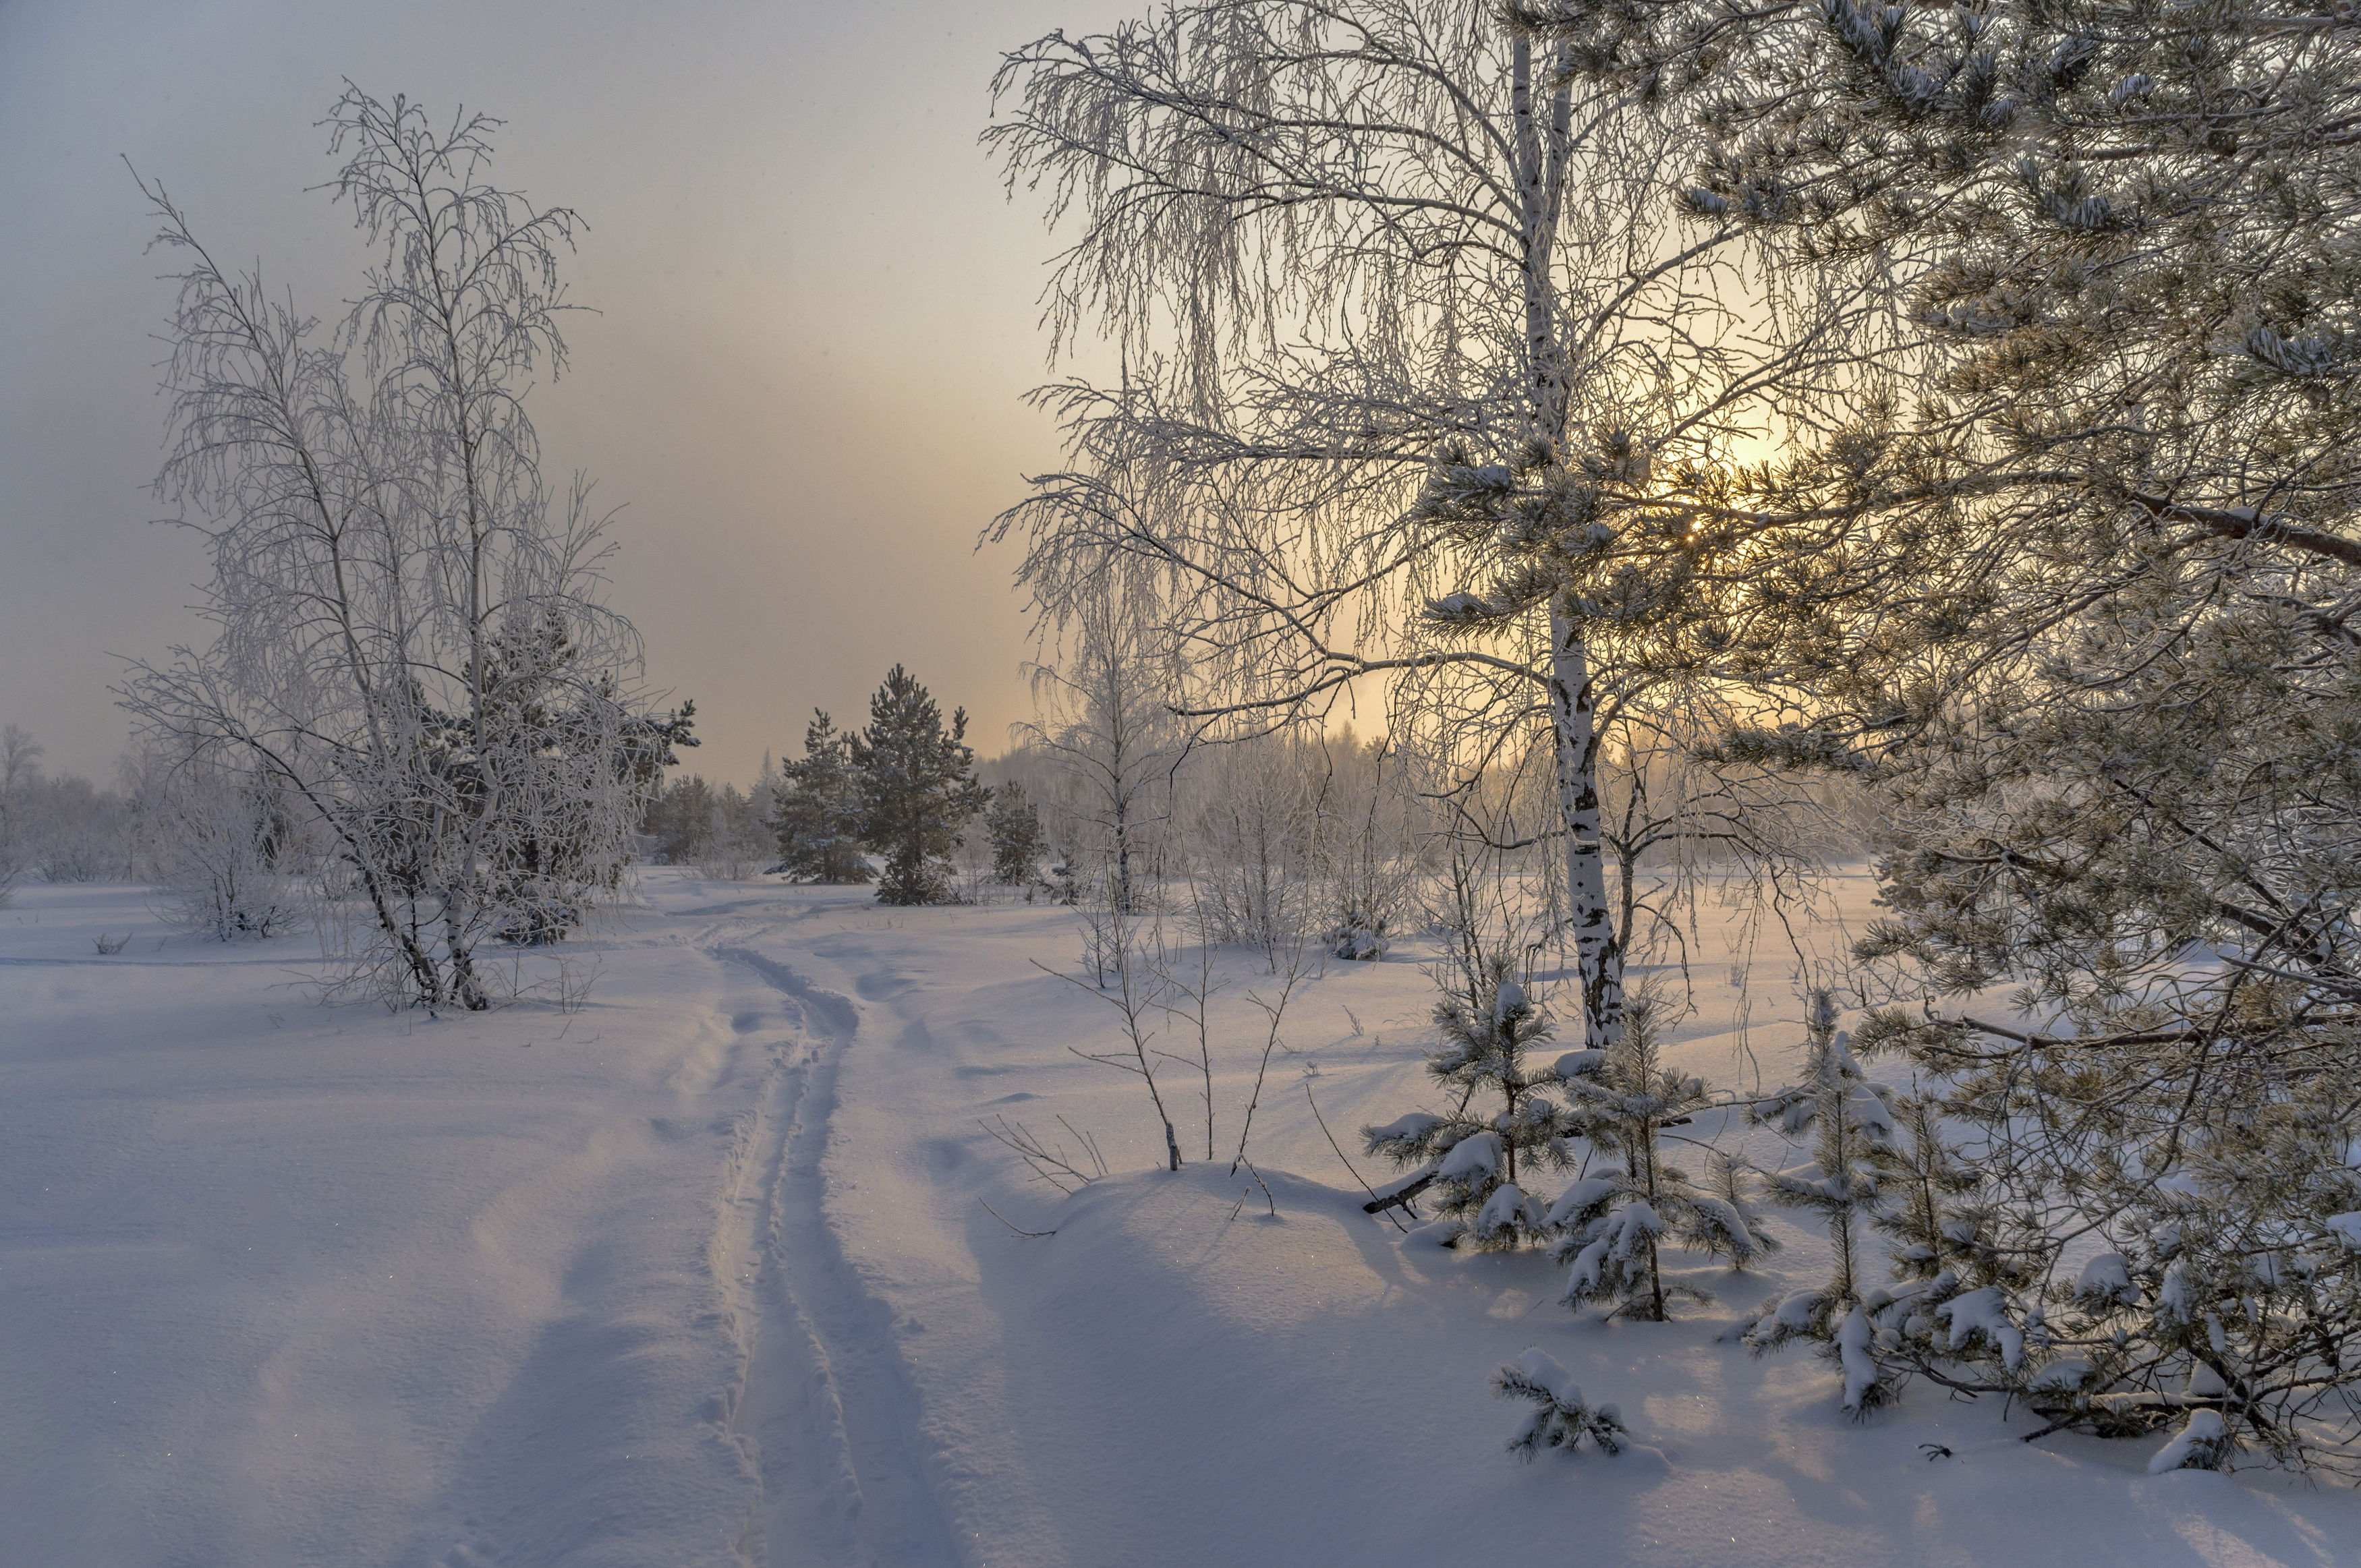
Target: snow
<point>1543,1371</point>
<point>1471,1158</point>
<point>1438,1235</point>
<point>2064,1377</point>
<point>1852,1353</point>
<point>1502,1208</point>
<point>2107,1277</point>
<point>1797,1312</point>
<point>2191,1444</point>
<point>1584,1194</point>
<point>1384,1190</point>
<point>702,1273</point>
<point>1984,1312</point>
<point>1407,1128</point>
<point>1865,1107</point>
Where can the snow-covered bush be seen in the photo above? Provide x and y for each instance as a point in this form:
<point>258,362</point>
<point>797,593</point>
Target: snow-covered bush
<point>1358,935</point>
<point>228,857</point>
<point>2202,1443</point>
<point>415,647</point>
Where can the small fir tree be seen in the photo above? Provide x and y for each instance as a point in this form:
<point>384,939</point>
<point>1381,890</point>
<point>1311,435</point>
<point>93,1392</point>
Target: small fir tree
<point>817,809</point>
<point>1472,1153</point>
<point>1960,1266</point>
<point>917,788</point>
<point>1852,1117</point>
<point>1359,935</point>
<point>1928,1209</point>
<point>1613,1225</point>
<point>1013,827</point>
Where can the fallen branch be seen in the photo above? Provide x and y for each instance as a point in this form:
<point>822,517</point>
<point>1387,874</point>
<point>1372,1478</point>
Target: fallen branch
<point>1373,1206</point>
<point>1033,1235</point>
<point>1399,1192</point>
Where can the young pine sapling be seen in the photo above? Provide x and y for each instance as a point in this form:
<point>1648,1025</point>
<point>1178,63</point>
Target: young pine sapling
<point>1850,1118</point>
<point>1472,1155</point>
<point>1613,1225</point>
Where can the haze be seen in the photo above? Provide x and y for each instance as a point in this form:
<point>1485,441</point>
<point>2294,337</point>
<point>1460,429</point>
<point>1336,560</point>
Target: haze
<point>818,318</point>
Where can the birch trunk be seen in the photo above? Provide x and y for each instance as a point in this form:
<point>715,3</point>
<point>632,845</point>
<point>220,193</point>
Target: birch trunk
<point>1574,723</point>
<point>1542,157</point>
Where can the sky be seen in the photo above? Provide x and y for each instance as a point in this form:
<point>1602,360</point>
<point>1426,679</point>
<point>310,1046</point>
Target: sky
<point>818,316</point>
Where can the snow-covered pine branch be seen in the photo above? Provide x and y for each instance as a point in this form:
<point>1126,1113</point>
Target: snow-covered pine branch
<point>1560,1417</point>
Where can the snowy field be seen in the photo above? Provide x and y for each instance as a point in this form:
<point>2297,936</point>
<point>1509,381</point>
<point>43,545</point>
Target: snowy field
<point>701,1273</point>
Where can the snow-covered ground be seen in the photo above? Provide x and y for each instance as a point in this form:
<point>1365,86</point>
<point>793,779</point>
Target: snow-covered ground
<point>701,1272</point>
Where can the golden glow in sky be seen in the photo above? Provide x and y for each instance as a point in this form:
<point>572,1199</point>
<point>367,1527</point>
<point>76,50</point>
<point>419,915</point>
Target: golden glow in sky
<point>817,319</point>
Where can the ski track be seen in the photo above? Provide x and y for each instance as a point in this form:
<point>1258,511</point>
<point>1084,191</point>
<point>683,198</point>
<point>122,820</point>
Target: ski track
<point>822,1412</point>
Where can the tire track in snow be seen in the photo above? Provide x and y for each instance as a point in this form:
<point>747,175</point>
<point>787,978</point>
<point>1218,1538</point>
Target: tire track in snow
<point>822,1410</point>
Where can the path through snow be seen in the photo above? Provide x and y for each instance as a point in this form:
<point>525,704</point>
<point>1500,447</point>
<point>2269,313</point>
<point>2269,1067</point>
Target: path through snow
<point>702,1274</point>
<point>820,1403</point>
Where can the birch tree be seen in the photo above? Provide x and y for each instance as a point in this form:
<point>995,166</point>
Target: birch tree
<point>1105,722</point>
<point>1382,273</point>
<point>412,646</point>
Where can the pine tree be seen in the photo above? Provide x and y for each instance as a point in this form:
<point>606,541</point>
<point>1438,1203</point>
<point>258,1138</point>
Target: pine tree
<point>679,817</point>
<point>2090,632</point>
<point>1850,1117</point>
<point>1471,1154</point>
<point>817,809</point>
<point>1929,1208</point>
<point>1014,826</point>
<point>1613,1225</point>
<point>916,788</point>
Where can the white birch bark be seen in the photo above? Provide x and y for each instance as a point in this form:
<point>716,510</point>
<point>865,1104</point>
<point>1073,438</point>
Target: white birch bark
<point>1542,157</point>
<point>1573,722</point>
